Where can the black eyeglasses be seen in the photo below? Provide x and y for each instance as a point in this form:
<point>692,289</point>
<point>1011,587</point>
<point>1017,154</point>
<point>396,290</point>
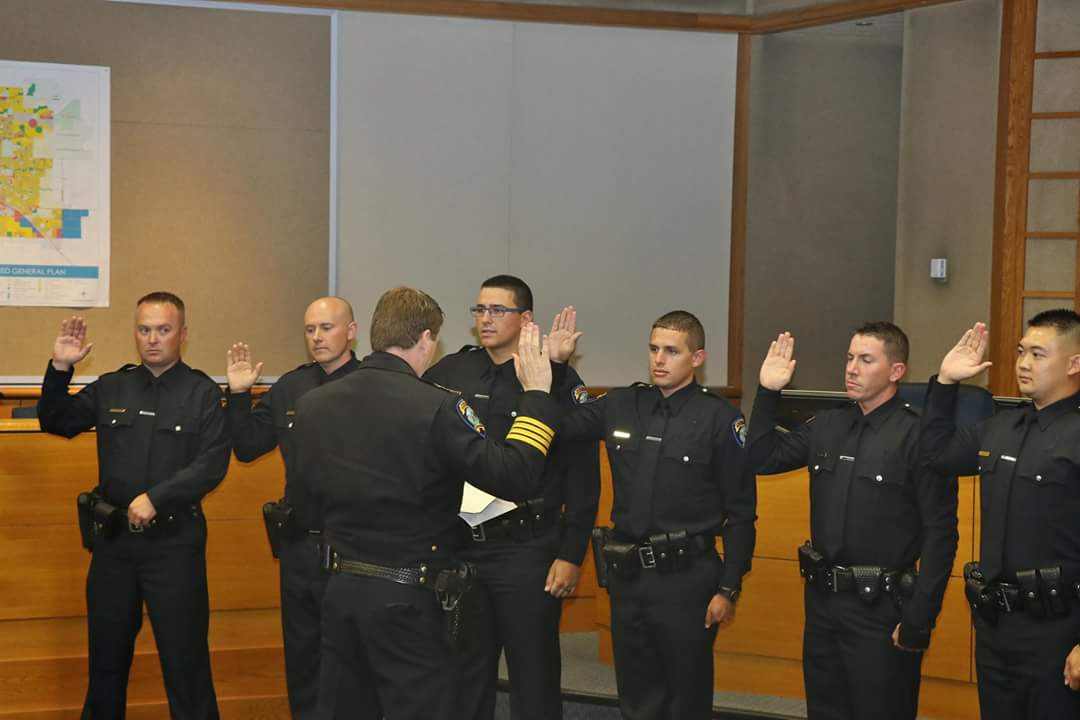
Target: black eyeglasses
<point>497,311</point>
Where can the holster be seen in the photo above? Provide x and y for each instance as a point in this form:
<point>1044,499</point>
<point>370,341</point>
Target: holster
<point>451,589</point>
<point>600,537</point>
<point>622,559</point>
<point>278,518</point>
<point>97,518</point>
<point>975,590</point>
<point>671,551</point>
<point>812,565</point>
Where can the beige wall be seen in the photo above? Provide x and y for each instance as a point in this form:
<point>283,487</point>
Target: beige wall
<point>945,204</point>
<point>220,164</point>
<point>821,216</point>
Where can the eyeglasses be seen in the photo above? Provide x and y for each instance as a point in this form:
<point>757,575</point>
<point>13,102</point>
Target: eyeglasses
<point>497,311</point>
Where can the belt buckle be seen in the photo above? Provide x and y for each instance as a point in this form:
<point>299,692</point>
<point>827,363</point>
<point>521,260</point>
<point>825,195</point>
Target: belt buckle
<point>478,533</point>
<point>135,527</point>
<point>646,556</point>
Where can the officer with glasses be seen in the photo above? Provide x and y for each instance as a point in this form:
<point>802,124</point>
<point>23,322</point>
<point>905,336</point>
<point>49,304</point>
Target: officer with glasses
<point>528,559</point>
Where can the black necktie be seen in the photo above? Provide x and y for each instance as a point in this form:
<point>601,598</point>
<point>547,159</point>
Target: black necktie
<point>835,517</point>
<point>641,499</point>
<point>994,522</point>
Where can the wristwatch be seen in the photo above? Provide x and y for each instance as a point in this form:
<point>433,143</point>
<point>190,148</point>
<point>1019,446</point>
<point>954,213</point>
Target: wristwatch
<point>729,593</point>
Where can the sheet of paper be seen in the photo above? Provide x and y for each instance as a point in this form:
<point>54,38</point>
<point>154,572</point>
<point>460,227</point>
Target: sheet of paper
<point>478,506</point>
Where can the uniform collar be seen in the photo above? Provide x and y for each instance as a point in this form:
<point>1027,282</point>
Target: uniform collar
<point>676,401</point>
<point>351,364</point>
<point>878,415</point>
<point>168,379</point>
<point>386,361</point>
<point>1051,413</point>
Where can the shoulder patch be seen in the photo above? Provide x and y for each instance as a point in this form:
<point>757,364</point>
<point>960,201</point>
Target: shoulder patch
<point>738,429</point>
<point>470,418</point>
<point>580,395</point>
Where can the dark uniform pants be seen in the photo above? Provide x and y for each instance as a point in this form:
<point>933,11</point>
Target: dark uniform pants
<point>302,585</point>
<point>171,579</point>
<point>507,608</point>
<point>383,646</point>
<point>663,652</point>
<point>851,669</point>
<point>1020,667</point>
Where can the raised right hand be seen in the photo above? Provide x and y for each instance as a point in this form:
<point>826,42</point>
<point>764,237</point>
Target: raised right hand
<point>239,369</point>
<point>965,360</point>
<point>70,346</point>
<point>778,367</point>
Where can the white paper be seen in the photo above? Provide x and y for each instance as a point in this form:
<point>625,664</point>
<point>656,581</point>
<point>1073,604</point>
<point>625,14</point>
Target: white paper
<point>478,506</point>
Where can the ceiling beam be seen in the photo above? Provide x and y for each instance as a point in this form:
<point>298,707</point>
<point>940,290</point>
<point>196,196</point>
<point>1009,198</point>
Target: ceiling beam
<point>835,12</point>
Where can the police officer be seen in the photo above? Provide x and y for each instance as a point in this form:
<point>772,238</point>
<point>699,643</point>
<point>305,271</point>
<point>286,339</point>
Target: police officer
<point>386,453</point>
<point>329,329</point>
<point>530,558</point>
<point>1024,590</point>
<point>162,445</point>
<point>874,513</point>
<point>680,477</point>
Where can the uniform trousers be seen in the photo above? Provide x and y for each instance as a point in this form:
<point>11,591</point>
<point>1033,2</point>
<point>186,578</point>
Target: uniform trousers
<point>663,652</point>
<point>302,585</point>
<point>383,646</point>
<point>507,609</point>
<point>1020,666</point>
<point>851,669</point>
<point>170,577</point>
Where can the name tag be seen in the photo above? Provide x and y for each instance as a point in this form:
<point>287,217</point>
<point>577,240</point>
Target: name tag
<point>1010,458</point>
<point>621,434</point>
<point>482,397</point>
<point>653,438</point>
<point>847,458</point>
<point>147,413</point>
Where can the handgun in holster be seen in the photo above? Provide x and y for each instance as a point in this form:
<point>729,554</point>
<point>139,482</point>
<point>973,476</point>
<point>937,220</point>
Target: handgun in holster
<point>451,588</point>
<point>97,518</point>
<point>600,537</point>
<point>278,518</point>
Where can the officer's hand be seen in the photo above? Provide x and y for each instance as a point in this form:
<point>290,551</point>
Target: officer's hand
<point>239,369</point>
<point>70,346</point>
<point>965,360</point>
<point>896,641</point>
<point>563,336</point>
<point>562,578</point>
<point>141,511</point>
<point>721,611</point>
<point>531,361</point>
<point>778,367</point>
<point>1072,668</point>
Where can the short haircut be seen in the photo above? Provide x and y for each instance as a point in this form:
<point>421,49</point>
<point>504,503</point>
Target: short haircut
<point>1063,320</point>
<point>401,316</point>
<point>894,339</point>
<point>163,297</point>
<point>683,321</point>
<point>522,294</point>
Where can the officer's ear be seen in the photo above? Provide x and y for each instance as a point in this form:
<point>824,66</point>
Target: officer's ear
<point>697,358</point>
<point>350,331</point>
<point>897,371</point>
<point>1074,365</point>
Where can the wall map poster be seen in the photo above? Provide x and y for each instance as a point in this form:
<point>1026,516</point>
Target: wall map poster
<point>54,185</point>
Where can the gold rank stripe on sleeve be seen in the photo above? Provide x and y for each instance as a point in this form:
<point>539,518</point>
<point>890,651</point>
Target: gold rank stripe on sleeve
<point>531,432</point>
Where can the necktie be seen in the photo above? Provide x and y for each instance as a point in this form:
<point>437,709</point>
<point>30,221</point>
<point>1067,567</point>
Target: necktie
<point>641,499</point>
<point>995,519</point>
<point>836,510</point>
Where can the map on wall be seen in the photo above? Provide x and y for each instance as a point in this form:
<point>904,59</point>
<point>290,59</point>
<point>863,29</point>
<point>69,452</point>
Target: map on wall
<point>54,185</point>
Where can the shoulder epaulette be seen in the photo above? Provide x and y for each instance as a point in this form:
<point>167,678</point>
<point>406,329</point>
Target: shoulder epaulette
<point>469,348</point>
<point>640,385</point>
<point>708,392</point>
<point>441,387</point>
<point>913,410</point>
<point>202,374</point>
<point>126,367</point>
<point>304,365</point>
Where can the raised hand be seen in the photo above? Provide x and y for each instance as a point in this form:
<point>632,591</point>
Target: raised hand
<point>965,360</point>
<point>532,360</point>
<point>70,346</point>
<point>239,369</point>
<point>778,366</point>
<point>563,336</point>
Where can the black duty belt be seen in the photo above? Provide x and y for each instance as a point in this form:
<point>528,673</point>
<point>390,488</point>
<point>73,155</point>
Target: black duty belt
<point>163,523</point>
<point>332,562</point>
<point>529,520</point>
<point>664,552</point>
<point>656,549</point>
<point>866,581</point>
<point>1041,592</point>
